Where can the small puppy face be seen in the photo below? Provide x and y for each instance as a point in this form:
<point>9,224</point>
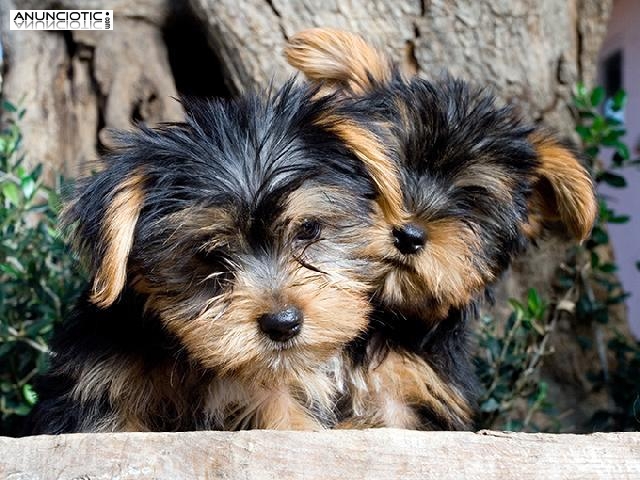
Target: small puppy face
<point>465,166</point>
<point>244,228</point>
<point>476,182</point>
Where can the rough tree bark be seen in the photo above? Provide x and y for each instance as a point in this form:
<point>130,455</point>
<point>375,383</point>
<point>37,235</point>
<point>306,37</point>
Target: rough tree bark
<point>73,84</point>
<point>531,52</point>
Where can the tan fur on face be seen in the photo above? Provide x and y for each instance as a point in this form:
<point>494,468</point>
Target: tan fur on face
<point>338,59</point>
<point>117,231</point>
<point>445,274</point>
<point>261,383</point>
<point>445,270</point>
<point>372,152</point>
<point>225,336</point>
<point>220,327</point>
<point>388,394</point>
<point>563,190</point>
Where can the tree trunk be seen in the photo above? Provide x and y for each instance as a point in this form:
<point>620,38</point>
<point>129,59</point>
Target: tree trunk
<point>531,52</point>
<point>73,84</point>
<point>76,84</point>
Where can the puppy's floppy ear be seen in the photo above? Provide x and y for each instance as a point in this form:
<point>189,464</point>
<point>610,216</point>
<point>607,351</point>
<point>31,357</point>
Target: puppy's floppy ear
<point>563,190</point>
<point>342,61</point>
<point>369,148</point>
<point>104,219</point>
<point>338,59</point>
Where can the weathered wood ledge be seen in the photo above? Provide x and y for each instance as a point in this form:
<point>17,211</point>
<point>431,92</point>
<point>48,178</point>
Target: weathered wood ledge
<point>371,454</point>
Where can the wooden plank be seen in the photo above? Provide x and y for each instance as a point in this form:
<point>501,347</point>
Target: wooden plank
<point>327,455</point>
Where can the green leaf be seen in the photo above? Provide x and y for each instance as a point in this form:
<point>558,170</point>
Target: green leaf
<point>534,303</point>
<point>584,132</point>
<point>622,150</point>
<point>9,107</point>
<point>618,219</point>
<point>613,180</point>
<point>581,104</point>
<point>599,125</point>
<point>543,390</point>
<point>22,410</point>
<point>28,187</point>
<point>11,192</point>
<point>37,171</point>
<point>597,95</point>
<point>592,151</point>
<point>518,308</point>
<point>617,299</point>
<point>608,268</point>
<point>599,236</point>
<point>29,394</point>
<point>612,138</point>
<point>494,346</point>
<point>6,347</point>
<point>20,171</point>
<point>584,307</point>
<point>617,160</point>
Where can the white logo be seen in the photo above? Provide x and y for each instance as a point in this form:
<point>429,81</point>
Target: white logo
<point>61,20</point>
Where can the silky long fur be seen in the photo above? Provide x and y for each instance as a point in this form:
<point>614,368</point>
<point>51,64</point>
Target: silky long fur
<point>479,183</point>
<point>194,232</point>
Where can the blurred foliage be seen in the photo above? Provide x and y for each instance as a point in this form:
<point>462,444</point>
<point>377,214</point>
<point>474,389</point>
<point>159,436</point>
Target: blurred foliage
<point>38,278</point>
<point>508,365</point>
<point>601,129</point>
<point>508,359</point>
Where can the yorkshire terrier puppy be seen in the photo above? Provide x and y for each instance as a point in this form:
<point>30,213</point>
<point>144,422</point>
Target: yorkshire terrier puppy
<point>478,184</point>
<point>227,259</point>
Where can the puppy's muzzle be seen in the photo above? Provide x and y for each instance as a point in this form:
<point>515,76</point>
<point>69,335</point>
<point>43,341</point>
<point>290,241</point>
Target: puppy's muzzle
<point>409,238</point>
<point>283,325</point>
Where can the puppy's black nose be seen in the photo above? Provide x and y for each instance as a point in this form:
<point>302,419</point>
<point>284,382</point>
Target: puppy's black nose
<point>283,325</point>
<point>409,238</point>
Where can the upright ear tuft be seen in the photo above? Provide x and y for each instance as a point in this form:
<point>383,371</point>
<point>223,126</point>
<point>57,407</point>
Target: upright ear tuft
<point>344,61</point>
<point>338,59</point>
<point>563,190</point>
<point>108,231</point>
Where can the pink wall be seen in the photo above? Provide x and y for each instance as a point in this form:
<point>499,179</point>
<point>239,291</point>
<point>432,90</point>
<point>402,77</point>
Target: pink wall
<point>624,34</point>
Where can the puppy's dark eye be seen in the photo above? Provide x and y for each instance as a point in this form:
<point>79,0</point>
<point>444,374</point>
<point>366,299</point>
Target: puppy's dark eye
<point>308,230</point>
